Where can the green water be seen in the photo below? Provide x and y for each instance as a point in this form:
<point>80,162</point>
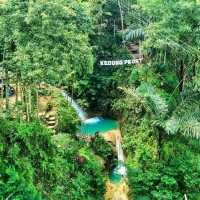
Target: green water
<point>98,124</point>
<point>115,178</point>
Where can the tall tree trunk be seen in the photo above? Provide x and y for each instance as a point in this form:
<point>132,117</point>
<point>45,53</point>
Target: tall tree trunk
<point>121,15</point>
<point>114,29</point>
<point>25,100</point>
<point>122,19</point>
<point>21,93</point>
<point>194,67</point>
<point>7,88</point>
<point>182,77</point>
<point>17,90</point>
<point>2,89</point>
<point>29,101</point>
<point>37,102</point>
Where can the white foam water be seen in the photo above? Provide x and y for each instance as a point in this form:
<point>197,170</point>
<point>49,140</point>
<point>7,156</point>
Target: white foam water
<point>121,169</point>
<point>82,115</point>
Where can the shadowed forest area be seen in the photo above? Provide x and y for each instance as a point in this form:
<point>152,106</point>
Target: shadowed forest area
<point>67,67</point>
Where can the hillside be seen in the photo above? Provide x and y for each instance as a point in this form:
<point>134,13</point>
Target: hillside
<point>99,100</point>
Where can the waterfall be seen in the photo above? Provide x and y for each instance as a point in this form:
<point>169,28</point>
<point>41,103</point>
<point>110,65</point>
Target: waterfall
<point>120,169</point>
<point>82,115</point>
<point>185,196</point>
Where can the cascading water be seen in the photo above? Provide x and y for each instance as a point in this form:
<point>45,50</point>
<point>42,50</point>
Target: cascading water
<point>99,124</point>
<point>82,115</point>
<point>120,169</point>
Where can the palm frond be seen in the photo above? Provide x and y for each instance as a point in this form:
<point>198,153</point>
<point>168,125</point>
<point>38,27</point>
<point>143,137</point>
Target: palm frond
<point>147,96</point>
<point>132,93</point>
<point>171,126</point>
<point>191,128</point>
<point>185,120</point>
<point>157,104</point>
<point>134,34</point>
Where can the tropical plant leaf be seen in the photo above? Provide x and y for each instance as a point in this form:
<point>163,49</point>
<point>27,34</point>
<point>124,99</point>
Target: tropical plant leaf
<point>134,34</point>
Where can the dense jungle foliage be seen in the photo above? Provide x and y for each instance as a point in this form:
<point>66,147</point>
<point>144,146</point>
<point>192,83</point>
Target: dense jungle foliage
<point>60,43</point>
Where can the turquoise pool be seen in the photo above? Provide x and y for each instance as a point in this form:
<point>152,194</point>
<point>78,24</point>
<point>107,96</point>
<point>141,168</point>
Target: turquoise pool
<point>97,124</point>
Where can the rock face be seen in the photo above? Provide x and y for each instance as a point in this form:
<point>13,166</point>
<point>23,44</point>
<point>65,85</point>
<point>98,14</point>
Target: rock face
<point>134,48</point>
<point>116,191</point>
<point>51,120</point>
<point>48,112</point>
<point>110,136</point>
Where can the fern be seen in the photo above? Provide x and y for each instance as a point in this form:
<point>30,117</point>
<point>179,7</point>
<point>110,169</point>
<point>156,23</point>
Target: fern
<point>186,120</point>
<point>191,128</point>
<point>148,98</point>
<point>155,102</point>
<point>134,34</point>
<point>171,125</point>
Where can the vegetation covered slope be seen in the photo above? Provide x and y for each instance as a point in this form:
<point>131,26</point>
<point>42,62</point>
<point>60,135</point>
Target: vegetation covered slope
<point>60,42</point>
<point>160,105</point>
<point>35,165</point>
<point>158,101</point>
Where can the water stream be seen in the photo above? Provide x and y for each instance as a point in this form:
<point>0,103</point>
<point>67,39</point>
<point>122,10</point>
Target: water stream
<point>120,169</point>
<point>101,125</point>
<point>82,115</point>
